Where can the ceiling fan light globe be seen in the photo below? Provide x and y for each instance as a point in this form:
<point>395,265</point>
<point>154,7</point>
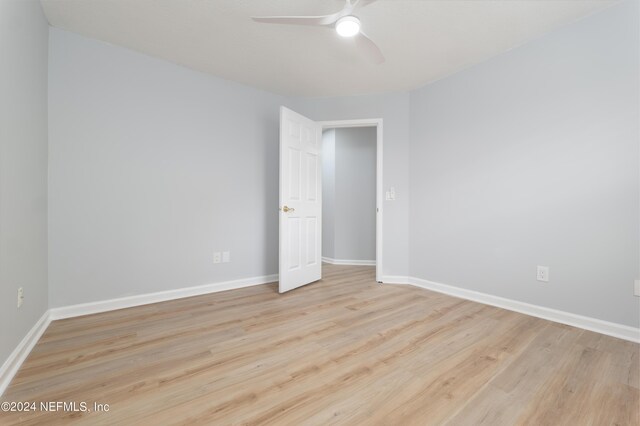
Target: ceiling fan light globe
<point>348,26</point>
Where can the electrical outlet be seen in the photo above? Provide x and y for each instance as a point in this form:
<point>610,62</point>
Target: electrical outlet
<point>543,274</point>
<point>226,256</point>
<point>636,288</point>
<point>217,258</point>
<point>20,297</point>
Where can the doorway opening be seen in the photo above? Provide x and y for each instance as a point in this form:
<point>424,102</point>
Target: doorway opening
<point>352,193</point>
<point>300,187</point>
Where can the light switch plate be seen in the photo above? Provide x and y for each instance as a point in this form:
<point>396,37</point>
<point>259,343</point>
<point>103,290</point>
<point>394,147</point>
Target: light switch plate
<point>390,195</point>
<point>226,256</point>
<point>636,288</point>
<point>217,258</point>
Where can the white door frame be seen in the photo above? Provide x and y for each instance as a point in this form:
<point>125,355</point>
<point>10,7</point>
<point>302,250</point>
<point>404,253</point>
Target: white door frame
<point>377,123</point>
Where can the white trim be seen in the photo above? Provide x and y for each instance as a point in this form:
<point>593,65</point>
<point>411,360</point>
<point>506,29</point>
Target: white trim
<point>359,122</point>
<point>348,262</point>
<point>620,331</point>
<point>394,279</point>
<point>20,353</point>
<point>377,123</point>
<point>161,296</point>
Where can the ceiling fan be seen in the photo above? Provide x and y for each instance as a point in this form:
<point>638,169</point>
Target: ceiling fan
<point>346,25</point>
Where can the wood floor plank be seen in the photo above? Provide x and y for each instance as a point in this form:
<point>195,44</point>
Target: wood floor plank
<point>344,350</point>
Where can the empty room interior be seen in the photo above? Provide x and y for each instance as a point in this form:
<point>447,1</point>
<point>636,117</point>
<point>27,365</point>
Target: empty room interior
<point>313,212</point>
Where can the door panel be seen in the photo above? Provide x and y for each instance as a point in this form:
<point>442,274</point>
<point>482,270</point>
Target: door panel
<point>300,200</point>
<point>312,177</point>
<point>312,230</point>
<point>294,174</point>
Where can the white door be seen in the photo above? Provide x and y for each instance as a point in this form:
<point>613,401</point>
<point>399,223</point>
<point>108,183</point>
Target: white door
<point>300,200</point>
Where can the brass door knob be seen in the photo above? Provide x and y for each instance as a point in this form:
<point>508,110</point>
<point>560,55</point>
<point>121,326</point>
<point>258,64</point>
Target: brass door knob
<point>288,209</point>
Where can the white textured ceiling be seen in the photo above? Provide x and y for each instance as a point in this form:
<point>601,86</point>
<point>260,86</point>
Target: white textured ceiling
<point>423,40</point>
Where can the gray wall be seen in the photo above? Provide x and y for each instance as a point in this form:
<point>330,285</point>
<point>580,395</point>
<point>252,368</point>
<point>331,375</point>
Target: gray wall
<point>531,158</point>
<point>328,192</point>
<point>23,168</point>
<point>153,167</point>
<point>394,110</point>
<point>350,178</point>
<point>161,152</point>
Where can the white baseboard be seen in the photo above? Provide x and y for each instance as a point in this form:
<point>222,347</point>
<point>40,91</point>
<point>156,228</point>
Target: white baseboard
<point>17,357</point>
<point>20,353</point>
<point>161,296</point>
<point>620,331</point>
<point>348,262</point>
<point>395,279</point>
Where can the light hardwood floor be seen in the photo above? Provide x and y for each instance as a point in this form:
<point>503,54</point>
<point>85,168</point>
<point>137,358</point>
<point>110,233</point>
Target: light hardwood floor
<point>345,350</point>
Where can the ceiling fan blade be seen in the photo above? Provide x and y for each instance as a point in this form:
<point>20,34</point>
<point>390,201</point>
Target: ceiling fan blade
<point>363,3</point>
<point>369,48</point>
<point>300,20</point>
